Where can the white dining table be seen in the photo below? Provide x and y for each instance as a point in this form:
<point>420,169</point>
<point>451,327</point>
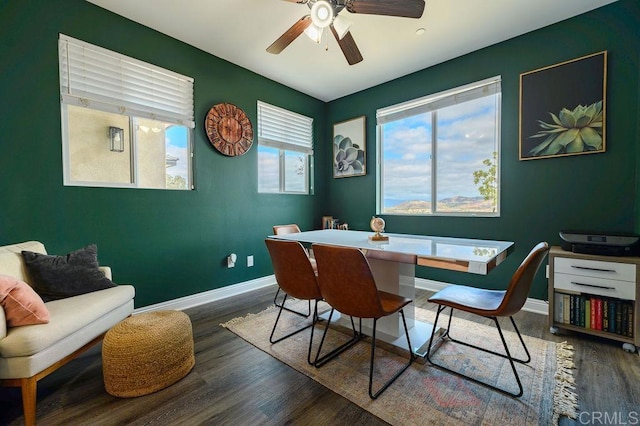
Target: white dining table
<point>393,265</point>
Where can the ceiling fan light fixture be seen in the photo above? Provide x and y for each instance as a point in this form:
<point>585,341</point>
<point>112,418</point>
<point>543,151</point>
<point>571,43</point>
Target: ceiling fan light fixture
<point>341,25</point>
<point>314,33</point>
<point>322,13</point>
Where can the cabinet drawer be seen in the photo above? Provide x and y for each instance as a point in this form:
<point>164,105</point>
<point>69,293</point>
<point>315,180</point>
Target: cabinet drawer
<point>595,285</point>
<point>596,268</point>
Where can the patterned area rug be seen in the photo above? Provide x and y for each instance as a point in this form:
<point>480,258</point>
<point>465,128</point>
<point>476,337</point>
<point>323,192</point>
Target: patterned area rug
<point>424,394</point>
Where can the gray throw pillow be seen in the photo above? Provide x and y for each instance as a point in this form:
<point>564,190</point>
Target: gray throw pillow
<point>58,277</point>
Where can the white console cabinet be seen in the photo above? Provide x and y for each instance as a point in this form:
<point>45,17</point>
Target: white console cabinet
<point>595,295</point>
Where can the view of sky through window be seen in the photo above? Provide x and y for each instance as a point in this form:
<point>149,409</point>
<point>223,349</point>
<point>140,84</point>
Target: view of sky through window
<point>465,136</point>
<point>177,139</point>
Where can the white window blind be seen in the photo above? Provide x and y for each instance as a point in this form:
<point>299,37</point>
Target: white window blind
<point>93,77</point>
<point>436,101</point>
<point>282,129</point>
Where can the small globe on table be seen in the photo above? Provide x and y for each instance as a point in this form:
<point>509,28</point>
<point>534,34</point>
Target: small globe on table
<point>377,225</point>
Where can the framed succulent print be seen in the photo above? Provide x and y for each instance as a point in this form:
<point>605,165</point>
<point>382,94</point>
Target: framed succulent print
<point>563,108</point>
<point>349,146</point>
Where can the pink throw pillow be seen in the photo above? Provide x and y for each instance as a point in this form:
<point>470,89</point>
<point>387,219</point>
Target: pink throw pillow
<point>22,305</point>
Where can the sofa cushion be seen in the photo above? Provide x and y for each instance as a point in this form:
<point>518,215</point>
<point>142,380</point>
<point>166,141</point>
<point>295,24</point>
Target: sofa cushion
<point>11,261</point>
<point>67,317</point>
<point>58,277</point>
<point>22,305</point>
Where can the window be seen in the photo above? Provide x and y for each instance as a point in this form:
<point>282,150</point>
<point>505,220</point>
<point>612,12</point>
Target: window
<point>439,155</point>
<point>285,151</point>
<point>125,123</point>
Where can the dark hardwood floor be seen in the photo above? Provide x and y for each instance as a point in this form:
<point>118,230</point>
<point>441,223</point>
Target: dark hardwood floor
<point>235,383</point>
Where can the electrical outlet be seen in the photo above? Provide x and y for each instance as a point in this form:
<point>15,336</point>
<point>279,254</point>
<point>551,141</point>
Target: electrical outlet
<point>249,261</point>
<point>231,260</point>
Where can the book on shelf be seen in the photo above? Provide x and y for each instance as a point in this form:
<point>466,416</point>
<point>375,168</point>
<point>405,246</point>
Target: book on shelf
<point>572,309</point>
<point>558,308</point>
<point>566,313</point>
<point>594,312</point>
<point>624,318</point>
<point>598,324</point>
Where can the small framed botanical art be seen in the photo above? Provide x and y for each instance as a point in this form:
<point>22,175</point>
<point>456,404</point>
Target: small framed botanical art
<point>562,108</point>
<point>349,146</point>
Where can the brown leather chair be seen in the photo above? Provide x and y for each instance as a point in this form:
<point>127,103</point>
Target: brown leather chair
<point>286,229</point>
<point>492,304</point>
<point>296,278</point>
<point>283,230</point>
<point>347,284</point>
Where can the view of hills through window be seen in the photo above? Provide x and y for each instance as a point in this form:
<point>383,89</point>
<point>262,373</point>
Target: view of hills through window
<point>443,161</point>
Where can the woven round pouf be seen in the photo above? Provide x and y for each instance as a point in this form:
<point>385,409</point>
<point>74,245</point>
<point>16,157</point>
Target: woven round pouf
<point>147,352</point>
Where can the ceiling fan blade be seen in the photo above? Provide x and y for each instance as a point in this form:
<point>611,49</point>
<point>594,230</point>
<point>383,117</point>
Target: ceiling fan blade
<point>401,8</point>
<point>348,46</point>
<point>289,35</point>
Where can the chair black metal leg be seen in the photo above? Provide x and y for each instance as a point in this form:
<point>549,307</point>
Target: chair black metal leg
<point>294,332</point>
<point>373,395</point>
<point>521,361</point>
<point>322,360</point>
<point>513,366</point>
<point>281,305</point>
<point>313,326</point>
<point>433,331</point>
<point>515,327</point>
<point>504,343</point>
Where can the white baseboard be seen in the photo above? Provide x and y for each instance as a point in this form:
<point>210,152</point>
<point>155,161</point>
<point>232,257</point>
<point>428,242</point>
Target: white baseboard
<point>210,296</point>
<point>191,301</point>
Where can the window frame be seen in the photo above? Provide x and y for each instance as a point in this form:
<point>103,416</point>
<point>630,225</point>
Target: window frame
<point>432,103</point>
<point>105,81</point>
<point>285,131</point>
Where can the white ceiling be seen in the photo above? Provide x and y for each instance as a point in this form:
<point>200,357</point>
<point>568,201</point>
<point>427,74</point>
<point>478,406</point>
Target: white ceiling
<point>239,31</point>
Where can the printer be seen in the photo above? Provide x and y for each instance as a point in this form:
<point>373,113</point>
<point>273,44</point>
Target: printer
<point>601,243</point>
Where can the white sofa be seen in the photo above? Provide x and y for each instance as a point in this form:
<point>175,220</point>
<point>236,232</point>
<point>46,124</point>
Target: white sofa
<point>29,353</point>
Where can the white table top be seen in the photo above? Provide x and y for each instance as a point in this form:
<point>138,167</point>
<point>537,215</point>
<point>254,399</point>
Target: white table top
<point>460,254</point>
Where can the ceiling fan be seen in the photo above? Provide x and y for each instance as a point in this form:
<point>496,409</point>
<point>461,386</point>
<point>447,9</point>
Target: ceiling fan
<point>324,13</point>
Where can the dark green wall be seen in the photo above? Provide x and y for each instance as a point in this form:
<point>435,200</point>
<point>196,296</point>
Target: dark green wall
<point>171,244</point>
<point>539,197</point>
<point>167,243</point>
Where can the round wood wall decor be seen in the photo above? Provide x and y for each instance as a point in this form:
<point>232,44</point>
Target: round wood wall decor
<point>229,129</point>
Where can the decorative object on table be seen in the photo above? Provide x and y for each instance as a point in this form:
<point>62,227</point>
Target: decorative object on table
<point>147,352</point>
<point>229,129</point>
<point>327,222</point>
<point>324,15</point>
<point>330,222</point>
<point>377,225</point>
<point>349,144</point>
<point>562,108</point>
